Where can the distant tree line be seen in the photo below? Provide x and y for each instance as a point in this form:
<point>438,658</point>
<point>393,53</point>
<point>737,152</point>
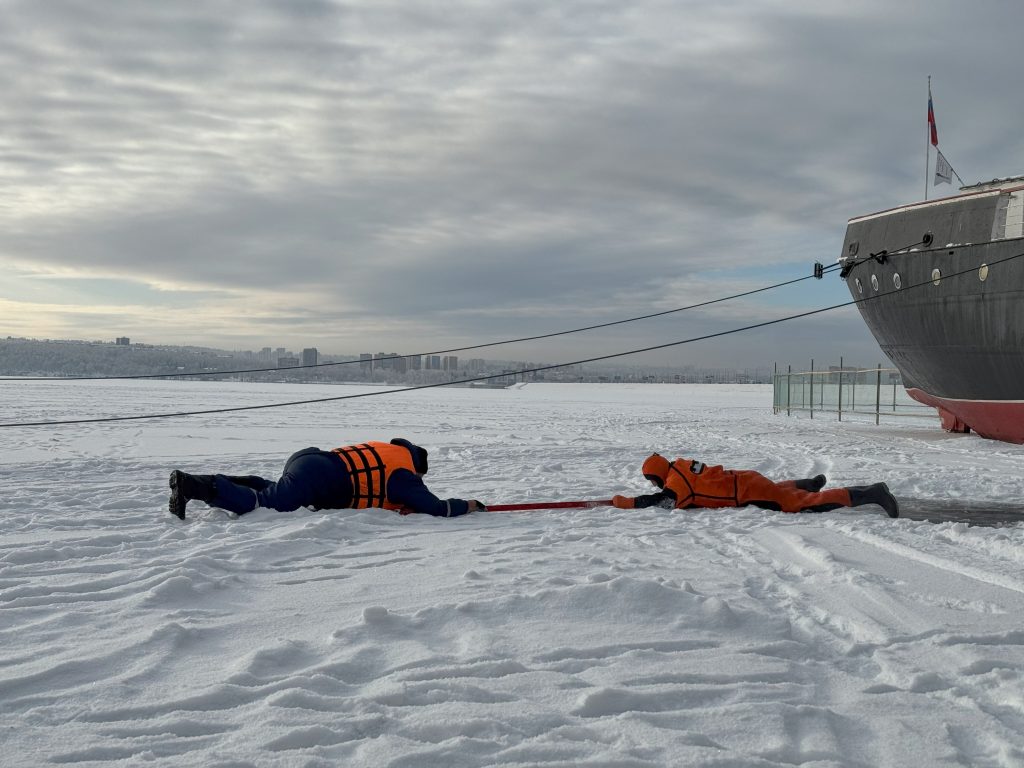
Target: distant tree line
<point>30,357</point>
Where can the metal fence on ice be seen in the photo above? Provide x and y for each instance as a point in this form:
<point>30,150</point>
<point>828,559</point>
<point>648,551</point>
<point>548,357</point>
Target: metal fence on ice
<point>859,393</point>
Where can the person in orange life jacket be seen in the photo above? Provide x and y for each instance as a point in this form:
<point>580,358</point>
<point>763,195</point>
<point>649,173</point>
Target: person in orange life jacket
<point>688,484</point>
<point>372,474</point>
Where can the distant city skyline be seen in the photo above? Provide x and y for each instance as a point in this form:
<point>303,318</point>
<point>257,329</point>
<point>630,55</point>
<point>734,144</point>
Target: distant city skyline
<point>388,364</point>
<point>306,357</point>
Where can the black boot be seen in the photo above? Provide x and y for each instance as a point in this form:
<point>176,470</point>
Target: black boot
<point>185,487</point>
<point>812,484</point>
<point>875,494</point>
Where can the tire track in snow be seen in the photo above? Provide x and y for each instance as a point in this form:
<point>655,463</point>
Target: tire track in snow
<point>947,564</point>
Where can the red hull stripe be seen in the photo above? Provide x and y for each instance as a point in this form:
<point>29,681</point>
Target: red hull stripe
<point>993,419</point>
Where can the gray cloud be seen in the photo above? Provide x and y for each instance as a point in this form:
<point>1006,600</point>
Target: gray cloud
<point>371,175</point>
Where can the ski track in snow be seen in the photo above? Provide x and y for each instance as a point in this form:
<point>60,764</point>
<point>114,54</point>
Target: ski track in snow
<point>576,637</point>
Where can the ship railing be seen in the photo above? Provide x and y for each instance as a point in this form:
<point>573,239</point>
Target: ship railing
<point>848,392</point>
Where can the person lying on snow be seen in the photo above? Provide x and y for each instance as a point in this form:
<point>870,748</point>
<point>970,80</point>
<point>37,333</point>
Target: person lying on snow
<point>688,484</point>
<point>372,474</point>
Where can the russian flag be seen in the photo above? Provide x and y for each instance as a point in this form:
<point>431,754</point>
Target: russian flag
<point>931,120</point>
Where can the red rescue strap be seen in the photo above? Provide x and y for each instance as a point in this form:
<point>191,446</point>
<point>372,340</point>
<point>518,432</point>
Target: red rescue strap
<point>550,505</point>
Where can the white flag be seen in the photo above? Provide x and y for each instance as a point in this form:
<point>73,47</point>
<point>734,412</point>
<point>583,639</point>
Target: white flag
<point>943,170</point>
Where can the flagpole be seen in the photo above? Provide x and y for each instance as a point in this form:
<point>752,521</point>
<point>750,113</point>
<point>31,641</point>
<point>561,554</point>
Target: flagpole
<point>927,141</point>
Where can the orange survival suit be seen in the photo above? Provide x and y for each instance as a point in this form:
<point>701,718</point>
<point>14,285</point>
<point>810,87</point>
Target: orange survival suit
<point>689,483</point>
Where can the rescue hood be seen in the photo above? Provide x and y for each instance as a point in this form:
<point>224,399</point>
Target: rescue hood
<point>656,466</point>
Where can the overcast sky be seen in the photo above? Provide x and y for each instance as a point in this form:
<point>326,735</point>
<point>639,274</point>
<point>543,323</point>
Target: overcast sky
<point>380,176</point>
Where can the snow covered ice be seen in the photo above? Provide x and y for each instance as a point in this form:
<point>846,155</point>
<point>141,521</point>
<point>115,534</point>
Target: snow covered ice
<point>596,637</point>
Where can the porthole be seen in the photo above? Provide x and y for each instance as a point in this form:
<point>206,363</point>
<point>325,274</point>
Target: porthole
<point>927,239</point>
<point>983,272</point>
<point>860,288</point>
<point>896,280</point>
<point>936,277</point>
<point>874,282</point>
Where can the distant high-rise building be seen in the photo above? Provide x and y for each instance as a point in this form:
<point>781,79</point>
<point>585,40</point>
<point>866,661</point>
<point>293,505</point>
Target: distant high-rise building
<point>415,362</point>
<point>475,364</point>
<point>266,354</point>
<point>280,352</point>
<point>450,363</point>
<point>310,356</point>
<point>433,362</point>
<point>366,361</point>
<point>287,361</point>
<point>122,341</point>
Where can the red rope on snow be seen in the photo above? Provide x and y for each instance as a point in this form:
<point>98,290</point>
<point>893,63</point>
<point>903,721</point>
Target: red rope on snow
<point>550,505</point>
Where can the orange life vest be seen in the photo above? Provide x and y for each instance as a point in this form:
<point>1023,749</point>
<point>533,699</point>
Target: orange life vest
<point>370,466</point>
<point>695,484</point>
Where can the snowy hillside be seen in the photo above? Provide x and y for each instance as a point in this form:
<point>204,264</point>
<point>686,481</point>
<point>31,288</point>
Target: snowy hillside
<point>572,638</point>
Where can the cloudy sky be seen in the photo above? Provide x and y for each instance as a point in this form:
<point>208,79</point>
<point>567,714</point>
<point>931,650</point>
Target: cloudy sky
<point>381,176</point>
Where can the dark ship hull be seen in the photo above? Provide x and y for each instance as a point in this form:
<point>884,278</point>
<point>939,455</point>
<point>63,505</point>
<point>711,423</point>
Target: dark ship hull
<point>946,301</point>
